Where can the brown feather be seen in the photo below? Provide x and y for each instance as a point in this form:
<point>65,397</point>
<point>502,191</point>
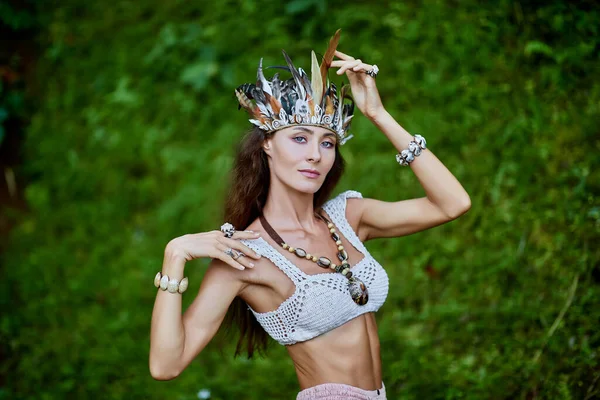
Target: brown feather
<point>245,102</point>
<point>275,105</point>
<point>328,57</point>
<point>329,106</point>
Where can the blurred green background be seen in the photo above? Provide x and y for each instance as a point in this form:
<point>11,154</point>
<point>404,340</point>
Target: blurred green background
<point>130,127</point>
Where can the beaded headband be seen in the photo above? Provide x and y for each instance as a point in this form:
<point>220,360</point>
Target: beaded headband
<point>299,100</point>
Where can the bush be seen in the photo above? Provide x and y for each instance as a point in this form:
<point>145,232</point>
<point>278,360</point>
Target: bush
<point>135,134</point>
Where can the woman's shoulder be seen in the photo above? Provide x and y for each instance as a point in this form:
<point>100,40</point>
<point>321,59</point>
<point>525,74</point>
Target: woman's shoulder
<point>348,204</point>
<point>344,199</point>
<point>341,199</point>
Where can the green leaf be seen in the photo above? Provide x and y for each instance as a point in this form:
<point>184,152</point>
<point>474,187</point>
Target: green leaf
<point>536,47</point>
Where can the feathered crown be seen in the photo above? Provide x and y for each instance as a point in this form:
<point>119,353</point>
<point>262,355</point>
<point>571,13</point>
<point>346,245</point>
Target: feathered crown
<point>299,100</point>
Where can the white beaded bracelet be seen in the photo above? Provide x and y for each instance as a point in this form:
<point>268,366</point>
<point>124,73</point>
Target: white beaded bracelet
<point>171,285</point>
<point>414,149</point>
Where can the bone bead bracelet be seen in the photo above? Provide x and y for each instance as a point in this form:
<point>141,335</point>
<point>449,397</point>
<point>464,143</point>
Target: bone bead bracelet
<point>171,285</point>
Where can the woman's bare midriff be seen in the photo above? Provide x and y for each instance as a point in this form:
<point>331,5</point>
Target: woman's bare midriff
<point>347,354</point>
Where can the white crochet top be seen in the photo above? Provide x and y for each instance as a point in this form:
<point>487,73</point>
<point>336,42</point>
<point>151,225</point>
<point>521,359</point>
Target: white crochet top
<point>322,301</point>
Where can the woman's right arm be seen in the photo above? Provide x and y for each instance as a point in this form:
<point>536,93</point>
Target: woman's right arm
<point>175,339</point>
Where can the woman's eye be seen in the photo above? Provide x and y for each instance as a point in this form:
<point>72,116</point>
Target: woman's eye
<point>302,137</point>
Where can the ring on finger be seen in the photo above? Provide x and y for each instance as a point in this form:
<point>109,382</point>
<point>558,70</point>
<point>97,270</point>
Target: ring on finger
<point>373,72</point>
<point>227,229</point>
<point>238,254</point>
<point>230,252</point>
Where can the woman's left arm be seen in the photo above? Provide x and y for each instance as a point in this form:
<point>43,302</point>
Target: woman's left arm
<point>445,198</point>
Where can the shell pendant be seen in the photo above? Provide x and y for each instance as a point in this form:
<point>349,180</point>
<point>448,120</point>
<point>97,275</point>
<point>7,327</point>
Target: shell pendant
<point>358,291</point>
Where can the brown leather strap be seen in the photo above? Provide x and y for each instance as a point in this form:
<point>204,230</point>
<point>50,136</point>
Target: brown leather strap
<point>270,230</point>
<point>274,234</point>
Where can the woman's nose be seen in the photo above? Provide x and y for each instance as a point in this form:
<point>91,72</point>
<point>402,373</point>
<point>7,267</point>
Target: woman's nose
<point>315,152</point>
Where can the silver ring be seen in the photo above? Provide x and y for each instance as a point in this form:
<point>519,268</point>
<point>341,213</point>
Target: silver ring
<point>227,229</point>
<point>233,253</point>
<point>373,72</point>
<point>229,251</point>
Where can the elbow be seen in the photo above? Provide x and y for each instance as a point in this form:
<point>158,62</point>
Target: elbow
<point>458,211</point>
<point>163,376</point>
<point>160,374</point>
<point>467,204</point>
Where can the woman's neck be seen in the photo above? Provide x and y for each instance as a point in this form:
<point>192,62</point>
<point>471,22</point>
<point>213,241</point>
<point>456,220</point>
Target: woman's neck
<point>291,211</point>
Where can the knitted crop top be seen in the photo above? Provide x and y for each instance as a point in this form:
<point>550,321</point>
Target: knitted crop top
<point>321,302</point>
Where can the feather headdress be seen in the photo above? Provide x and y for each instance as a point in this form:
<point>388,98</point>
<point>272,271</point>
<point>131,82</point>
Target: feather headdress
<point>299,100</point>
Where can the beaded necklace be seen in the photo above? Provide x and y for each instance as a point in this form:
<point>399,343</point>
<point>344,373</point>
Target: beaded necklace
<point>357,288</point>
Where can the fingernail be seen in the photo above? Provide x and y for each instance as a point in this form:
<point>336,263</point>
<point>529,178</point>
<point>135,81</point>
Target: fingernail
<point>252,265</point>
<point>256,233</point>
<point>258,255</point>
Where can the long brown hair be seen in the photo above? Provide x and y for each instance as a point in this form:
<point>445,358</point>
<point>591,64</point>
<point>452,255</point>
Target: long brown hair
<point>248,189</point>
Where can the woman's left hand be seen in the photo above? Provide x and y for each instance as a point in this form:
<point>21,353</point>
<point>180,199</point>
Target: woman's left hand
<point>364,91</point>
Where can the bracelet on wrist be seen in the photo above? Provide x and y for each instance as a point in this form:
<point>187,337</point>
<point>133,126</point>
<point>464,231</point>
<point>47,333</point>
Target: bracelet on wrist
<point>406,156</point>
<point>171,285</point>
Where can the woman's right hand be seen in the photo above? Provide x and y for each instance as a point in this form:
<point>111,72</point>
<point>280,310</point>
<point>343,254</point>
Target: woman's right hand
<point>213,244</point>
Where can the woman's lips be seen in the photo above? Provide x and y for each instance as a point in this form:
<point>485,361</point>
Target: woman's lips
<point>309,174</point>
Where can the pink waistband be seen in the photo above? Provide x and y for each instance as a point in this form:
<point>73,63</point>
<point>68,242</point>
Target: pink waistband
<point>340,391</point>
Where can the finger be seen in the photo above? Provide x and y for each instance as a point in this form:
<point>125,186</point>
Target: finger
<point>221,255</point>
<point>362,67</point>
<point>343,56</point>
<point>242,259</point>
<point>245,235</point>
<point>348,66</point>
<point>236,244</point>
<point>339,63</point>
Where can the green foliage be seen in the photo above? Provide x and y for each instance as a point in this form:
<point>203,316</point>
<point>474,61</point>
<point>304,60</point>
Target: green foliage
<point>19,18</point>
<point>135,135</point>
<point>15,23</point>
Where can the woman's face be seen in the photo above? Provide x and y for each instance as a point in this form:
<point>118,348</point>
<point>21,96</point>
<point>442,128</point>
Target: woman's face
<point>301,147</point>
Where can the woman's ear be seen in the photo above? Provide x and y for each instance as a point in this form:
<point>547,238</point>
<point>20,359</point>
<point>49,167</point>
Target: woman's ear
<point>266,145</point>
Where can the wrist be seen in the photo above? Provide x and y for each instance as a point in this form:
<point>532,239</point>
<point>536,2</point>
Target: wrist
<point>378,116</point>
<point>173,263</point>
<point>173,251</point>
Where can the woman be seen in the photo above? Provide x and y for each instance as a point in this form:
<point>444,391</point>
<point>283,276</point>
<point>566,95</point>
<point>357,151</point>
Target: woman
<point>300,272</point>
